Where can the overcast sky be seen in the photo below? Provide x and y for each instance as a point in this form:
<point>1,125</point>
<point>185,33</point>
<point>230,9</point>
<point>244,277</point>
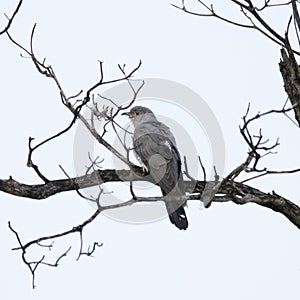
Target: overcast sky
<point>229,251</point>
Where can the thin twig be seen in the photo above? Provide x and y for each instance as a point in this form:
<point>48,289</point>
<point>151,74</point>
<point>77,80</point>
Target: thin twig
<point>10,20</point>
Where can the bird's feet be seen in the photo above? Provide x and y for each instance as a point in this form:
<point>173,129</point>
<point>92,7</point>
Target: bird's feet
<point>144,169</point>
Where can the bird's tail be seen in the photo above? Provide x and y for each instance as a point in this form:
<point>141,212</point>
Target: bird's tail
<point>177,215</point>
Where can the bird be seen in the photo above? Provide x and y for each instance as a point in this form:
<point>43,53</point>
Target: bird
<point>155,146</point>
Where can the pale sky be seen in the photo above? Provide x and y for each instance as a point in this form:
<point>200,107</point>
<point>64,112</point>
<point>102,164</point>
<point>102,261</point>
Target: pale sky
<point>228,252</point>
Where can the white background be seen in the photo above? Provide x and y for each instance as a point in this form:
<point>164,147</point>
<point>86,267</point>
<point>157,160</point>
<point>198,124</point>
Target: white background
<point>229,251</point>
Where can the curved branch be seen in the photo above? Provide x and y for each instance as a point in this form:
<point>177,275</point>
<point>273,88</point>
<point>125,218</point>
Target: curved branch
<point>262,26</point>
<point>10,20</point>
<point>228,191</point>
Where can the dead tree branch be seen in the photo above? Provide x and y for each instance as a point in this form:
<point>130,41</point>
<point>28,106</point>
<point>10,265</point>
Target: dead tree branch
<point>254,20</point>
<point>248,10</point>
<point>10,20</point>
<point>33,265</point>
<point>229,190</point>
<point>290,73</point>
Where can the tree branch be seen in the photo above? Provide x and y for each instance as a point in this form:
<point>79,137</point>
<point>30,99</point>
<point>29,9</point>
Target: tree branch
<point>228,191</point>
<point>261,25</point>
<point>10,20</point>
<point>290,73</point>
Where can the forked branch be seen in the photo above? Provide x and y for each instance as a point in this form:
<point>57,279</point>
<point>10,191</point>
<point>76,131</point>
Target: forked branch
<point>10,19</point>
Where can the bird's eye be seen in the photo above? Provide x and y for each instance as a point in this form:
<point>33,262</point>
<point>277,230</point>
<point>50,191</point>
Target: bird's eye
<point>137,113</point>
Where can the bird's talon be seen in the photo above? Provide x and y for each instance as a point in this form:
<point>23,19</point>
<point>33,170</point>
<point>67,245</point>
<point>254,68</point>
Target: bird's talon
<point>144,169</point>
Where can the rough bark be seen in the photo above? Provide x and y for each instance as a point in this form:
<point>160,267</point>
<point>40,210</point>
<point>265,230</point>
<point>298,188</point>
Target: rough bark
<point>228,191</point>
<point>291,77</point>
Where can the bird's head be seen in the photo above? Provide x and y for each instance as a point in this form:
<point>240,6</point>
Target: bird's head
<point>140,114</point>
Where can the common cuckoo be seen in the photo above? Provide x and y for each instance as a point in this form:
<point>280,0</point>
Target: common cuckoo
<point>155,146</point>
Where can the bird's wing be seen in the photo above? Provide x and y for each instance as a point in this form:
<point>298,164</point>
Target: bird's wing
<point>162,159</point>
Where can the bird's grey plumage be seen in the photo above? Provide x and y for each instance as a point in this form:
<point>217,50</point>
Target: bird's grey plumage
<point>156,147</point>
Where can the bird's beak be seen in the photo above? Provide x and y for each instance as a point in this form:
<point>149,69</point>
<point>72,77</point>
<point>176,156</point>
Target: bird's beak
<point>128,114</point>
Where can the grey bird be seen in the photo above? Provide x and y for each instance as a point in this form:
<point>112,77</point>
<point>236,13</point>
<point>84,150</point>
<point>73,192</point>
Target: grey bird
<point>155,146</point>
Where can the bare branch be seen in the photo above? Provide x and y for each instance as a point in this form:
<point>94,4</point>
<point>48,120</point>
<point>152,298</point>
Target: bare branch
<point>227,188</point>
<point>49,72</point>
<point>202,167</point>
<point>30,164</point>
<point>268,5</point>
<point>269,172</point>
<point>101,82</point>
<point>186,171</point>
<point>211,13</point>
<point>296,14</point>
<point>261,25</point>
<point>10,20</point>
<point>90,251</point>
<point>33,265</point>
